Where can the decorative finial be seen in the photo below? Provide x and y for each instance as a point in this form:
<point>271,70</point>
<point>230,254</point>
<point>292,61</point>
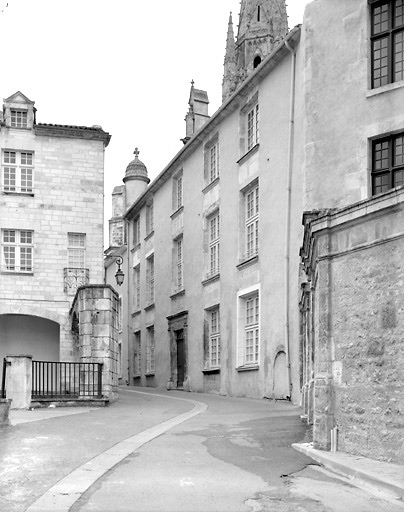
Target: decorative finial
<point>136,152</point>
<point>192,82</point>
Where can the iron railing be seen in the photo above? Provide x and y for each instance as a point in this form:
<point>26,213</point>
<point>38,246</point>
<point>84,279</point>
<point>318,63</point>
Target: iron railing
<point>66,380</point>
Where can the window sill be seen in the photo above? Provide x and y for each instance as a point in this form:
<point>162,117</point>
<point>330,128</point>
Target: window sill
<point>137,377</point>
<point>150,374</point>
<point>211,185</point>
<point>248,261</point>
<point>150,235</point>
<point>248,154</point>
<point>211,279</point>
<point>177,212</point>
<point>178,294</point>
<point>208,371</point>
<point>385,88</point>
<point>136,247</point>
<point>16,272</point>
<point>149,306</point>
<point>135,313</point>
<point>247,368</point>
<point>10,193</point>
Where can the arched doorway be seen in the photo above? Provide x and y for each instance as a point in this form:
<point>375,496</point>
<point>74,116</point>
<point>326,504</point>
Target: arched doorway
<point>280,376</point>
<point>31,335</point>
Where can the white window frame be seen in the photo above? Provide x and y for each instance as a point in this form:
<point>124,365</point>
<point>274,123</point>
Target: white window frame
<point>137,232</point>
<point>18,118</point>
<point>76,250</point>
<point>253,127</point>
<point>150,350</point>
<point>251,210</point>
<point>17,174</point>
<point>120,314</point>
<point>17,251</point>
<point>178,191</point>
<point>213,226</point>
<point>214,162</point>
<point>137,287</point>
<point>179,264</point>
<point>214,338</point>
<point>249,327</point>
<point>150,218</point>
<point>150,289</point>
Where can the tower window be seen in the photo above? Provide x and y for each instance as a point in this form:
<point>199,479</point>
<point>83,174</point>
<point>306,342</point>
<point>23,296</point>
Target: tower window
<point>259,13</point>
<point>257,61</point>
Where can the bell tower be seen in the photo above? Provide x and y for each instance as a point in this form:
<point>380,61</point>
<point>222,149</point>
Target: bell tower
<point>262,25</point>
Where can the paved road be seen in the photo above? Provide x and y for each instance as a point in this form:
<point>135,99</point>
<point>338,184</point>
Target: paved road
<point>180,452</point>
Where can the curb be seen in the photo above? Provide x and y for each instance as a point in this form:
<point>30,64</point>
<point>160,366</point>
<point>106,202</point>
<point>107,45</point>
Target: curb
<point>386,478</point>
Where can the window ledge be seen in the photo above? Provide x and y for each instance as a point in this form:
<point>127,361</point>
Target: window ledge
<point>136,247</point>
<point>178,293</point>
<point>211,185</point>
<point>248,261</point>
<point>135,313</point>
<point>247,368</point>
<point>150,374</point>
<point>10,193</point>
<point>149,306</point>
<point>211,279</point>
<point>247,155</point>
<point>150,235</point>
<point>208,371</point>
<point>177,212</point>
<point>15,272</point>
<point>385,88</point>
<point>136,376</point>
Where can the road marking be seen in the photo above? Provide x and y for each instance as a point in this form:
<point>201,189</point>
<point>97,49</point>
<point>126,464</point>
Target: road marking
<point>61,496</point>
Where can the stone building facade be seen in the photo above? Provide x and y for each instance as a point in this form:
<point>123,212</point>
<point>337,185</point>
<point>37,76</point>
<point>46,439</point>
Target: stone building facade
<point>51,228</point>
<point>219,298</point>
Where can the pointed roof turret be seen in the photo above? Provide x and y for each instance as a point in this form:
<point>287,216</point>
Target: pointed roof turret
<point>230,62</point>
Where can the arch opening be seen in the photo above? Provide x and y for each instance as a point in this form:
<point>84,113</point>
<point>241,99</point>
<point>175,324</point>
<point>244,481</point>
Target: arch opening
<point>257,61</point>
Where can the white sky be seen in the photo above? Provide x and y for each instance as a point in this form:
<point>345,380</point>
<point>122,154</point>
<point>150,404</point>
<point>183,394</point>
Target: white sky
<point>125,65</point>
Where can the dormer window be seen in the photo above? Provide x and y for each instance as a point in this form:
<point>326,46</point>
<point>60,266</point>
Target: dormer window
<point>19,118</point>
<point>257,61</point>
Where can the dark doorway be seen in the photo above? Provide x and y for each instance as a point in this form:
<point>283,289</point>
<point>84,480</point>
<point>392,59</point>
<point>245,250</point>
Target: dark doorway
<point>180,357</point>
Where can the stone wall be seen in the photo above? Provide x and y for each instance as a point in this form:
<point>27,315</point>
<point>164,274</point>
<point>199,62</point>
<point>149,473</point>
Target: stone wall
<point>353,259</point>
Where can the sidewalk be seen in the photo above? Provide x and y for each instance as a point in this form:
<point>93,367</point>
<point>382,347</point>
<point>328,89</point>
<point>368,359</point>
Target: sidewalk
<point>380,477</point>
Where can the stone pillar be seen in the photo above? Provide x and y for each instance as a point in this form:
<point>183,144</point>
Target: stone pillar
<point>5,404</point>
<point>323,411</point>
<point>18,380</point>
<point>98,335</point>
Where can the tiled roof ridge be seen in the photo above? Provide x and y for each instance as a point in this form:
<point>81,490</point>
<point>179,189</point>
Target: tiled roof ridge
<point>95,128</point>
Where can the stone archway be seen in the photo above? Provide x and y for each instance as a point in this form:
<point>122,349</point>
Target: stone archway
<point>280,376</point>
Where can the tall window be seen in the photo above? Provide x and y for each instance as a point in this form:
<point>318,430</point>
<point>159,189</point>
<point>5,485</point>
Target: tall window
<point>179,264</point>
<point>386,41</point>
<point>150,349</point>
<point>387,163</point>
<point>137,288</point>
<point>18,171</point>
<point>137,354</point>
<point>19,118</point>
<point>251,348</point>
<point>150,218</point>
<point>137,232</point>
<point>17,250</point>
<point>120,314</point>
<point>214,338</point>
<point>253,127</point>
<point>150,297</point>
<point>214,162</point>
<point>251,222</point>
<point>76,250</point>
<point>214,244</point>
<point>178,192</point>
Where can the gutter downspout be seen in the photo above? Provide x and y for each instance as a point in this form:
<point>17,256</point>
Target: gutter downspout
<point>129,337</point>
<point>288,212</point>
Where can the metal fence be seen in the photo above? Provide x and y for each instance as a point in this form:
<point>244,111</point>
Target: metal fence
<point>66,380</point>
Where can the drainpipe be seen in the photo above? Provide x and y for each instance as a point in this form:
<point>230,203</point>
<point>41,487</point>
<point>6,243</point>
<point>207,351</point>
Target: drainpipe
<point>129,276</point>
<point>288,211</point>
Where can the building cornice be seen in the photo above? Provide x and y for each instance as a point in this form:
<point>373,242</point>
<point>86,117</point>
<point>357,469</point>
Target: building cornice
<point>72,132</point>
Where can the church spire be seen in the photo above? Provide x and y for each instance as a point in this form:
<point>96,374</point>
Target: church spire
<point>230,64</point>
<point>262,25</point>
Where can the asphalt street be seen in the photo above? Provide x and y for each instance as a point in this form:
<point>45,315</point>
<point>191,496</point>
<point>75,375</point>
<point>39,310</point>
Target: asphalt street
<point>170,451</point>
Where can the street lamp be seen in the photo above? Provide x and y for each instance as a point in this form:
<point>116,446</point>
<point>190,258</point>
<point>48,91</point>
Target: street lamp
<point>119,274</point>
